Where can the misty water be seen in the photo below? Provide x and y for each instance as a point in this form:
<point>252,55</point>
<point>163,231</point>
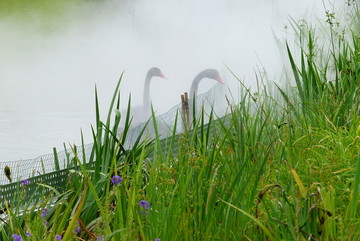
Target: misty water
<point>49,69</point>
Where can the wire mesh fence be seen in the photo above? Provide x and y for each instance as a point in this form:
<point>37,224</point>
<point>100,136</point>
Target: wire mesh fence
<point>57,161</point>
<point>12,192</point>
<point>212,100</point>
<point>24,169</point>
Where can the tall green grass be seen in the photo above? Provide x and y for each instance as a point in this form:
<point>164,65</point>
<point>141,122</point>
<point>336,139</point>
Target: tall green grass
<point>283,167</point>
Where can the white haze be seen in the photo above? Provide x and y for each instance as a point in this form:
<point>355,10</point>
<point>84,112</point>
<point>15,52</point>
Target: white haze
<point>47,76</point>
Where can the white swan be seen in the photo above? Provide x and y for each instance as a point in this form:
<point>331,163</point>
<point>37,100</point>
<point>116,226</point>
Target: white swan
<point>196,102</point>
<point>141,113</point>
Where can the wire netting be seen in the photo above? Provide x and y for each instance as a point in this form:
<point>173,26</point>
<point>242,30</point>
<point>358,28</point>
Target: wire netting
<point>24,169</point>
<point>214,99</point>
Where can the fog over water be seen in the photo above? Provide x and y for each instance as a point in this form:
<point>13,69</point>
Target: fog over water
<point>48,71</point>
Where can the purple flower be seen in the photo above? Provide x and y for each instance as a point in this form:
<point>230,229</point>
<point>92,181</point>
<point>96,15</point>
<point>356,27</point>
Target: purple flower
<point>77,230</point>
<point>44,212</point>
<point>157,239</point>
<point>24,182</point>
<point>16,237</point>
<point>144,204</point>
<point>115,180</point>
<point>58,237</point>
<point>28,234</point>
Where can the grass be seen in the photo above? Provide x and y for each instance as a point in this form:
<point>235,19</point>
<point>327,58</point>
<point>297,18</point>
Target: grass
<point>41,8</point>
<point>283,167</point>
<point>45,17</point>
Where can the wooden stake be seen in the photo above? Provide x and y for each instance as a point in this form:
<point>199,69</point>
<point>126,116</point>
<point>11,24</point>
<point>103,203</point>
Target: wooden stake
<point>185,110</point>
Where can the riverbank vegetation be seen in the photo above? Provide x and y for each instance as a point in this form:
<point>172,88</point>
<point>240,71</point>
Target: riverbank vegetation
<point>284,166</point>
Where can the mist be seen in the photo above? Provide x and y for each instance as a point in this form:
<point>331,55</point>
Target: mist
<point>49,70</point>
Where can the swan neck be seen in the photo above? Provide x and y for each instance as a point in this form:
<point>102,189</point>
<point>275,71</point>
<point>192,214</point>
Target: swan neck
<point>194,86</point>
<point>146,96</point>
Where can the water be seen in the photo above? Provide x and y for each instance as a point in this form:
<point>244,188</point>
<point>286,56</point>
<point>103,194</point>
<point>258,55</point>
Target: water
<point>26,134</point>
<point>48,72</point>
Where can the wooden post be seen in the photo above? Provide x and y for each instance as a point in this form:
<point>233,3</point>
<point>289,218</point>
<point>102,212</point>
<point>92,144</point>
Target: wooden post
<point>185,110</point>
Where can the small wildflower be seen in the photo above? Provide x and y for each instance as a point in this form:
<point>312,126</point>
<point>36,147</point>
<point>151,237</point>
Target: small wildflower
<point>24,182</point>
<point>16,237</point>
<point>100,238</point>
<point>28,234</point>
<point>44,213</point>
<point>77,230</point>
<point>144,204</point>
<point>45,223</point>
<point>157,239</point>
<point>115,180</point>
<point>58,237</point>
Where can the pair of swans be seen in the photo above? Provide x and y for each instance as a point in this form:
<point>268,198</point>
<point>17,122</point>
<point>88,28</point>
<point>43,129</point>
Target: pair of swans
<point>142,113</point>
<point>145,109</point>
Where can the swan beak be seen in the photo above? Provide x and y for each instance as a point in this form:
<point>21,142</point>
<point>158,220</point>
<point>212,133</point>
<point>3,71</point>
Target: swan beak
<point>162,76</point>
<point>220,79</point>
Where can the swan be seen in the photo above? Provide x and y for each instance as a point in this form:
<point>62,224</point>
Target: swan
<point>207,73</point>
<point>141,113</point>
<point>196,102</point>
<point>153,72</point>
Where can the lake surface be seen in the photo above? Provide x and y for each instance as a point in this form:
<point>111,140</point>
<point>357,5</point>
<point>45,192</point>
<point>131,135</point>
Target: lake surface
<point>26,134</point>
<point>48,72</point>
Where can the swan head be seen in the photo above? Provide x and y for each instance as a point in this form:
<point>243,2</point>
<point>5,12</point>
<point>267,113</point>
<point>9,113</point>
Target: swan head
<point>154,71</point>
<point>212,74</point>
